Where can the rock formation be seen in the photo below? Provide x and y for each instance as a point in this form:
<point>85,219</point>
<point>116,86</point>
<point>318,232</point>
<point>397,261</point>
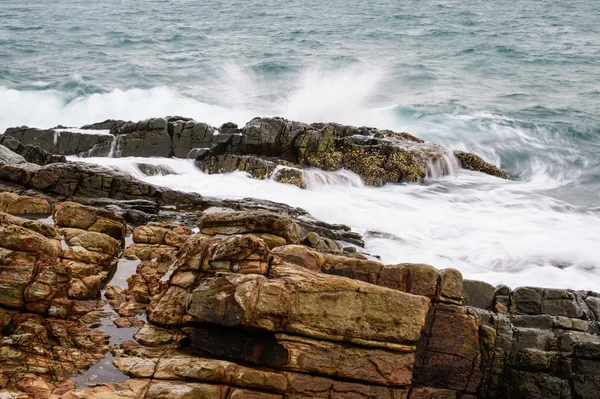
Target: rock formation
<point>265,148</point>
<point>252,299</point>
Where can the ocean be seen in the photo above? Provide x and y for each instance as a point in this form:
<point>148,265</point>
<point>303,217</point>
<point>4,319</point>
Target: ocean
<point>515,82</point>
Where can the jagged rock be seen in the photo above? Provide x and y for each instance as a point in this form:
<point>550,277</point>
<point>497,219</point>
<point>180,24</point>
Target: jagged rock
<point>241,313</point>
<point>31,153</point>
<point>378,156</point>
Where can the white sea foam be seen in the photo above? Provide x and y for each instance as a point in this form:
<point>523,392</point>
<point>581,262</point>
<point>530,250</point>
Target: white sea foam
<point>509,232</point>
<point>490,229</point>
<point>319,95</point>
<point>45,109</point>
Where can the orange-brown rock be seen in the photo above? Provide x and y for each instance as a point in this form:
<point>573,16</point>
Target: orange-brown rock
<point>250,222</point>
<point>71,214</point>
<point>289,299</point>
<point>15,204</point>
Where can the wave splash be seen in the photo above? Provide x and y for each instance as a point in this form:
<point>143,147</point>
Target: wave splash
<point>529,151</point>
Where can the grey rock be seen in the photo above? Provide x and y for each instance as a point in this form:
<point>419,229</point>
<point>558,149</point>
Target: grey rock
<point>478,294</point>
<point>527,300</point>
<point>10,157</point>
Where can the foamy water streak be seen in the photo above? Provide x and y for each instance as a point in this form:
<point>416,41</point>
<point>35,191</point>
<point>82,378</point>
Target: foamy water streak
<point>489,229</point>
<point>315,178</point>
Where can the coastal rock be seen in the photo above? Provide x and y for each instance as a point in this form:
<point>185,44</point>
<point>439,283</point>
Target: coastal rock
<point>79,180</point>
<point>301,354</point>
<point>74,215</point>
<point>288,295</point>
<point>31,153</point>
<point>256,167</point>
<point>40,354</point>
<point>478,294</point>
<point>15,204</point>
<point>10,157</point>
<point>476,163</point>
<point>233,314</point>
<point>263,145</point>
<point>250,222</point>
<point>57,141</point>
<point>187,135</point>
<point>379,157</point>
<point>322,309</point>
<point>30,266</point>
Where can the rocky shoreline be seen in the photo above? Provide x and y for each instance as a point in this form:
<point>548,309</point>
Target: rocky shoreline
<point>114,288</point>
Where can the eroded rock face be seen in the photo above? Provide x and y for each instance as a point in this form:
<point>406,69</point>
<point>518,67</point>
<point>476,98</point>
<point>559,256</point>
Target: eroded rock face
<point>30,267</point>
<point>42,275</point>
<point>40,354</point>
<point>240,309</point>
<point>74,215</point>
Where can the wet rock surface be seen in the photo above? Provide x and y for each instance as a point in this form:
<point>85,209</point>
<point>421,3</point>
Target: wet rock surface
<point>113,288</point>
<point>245,306</point>
<point>272,148</point>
